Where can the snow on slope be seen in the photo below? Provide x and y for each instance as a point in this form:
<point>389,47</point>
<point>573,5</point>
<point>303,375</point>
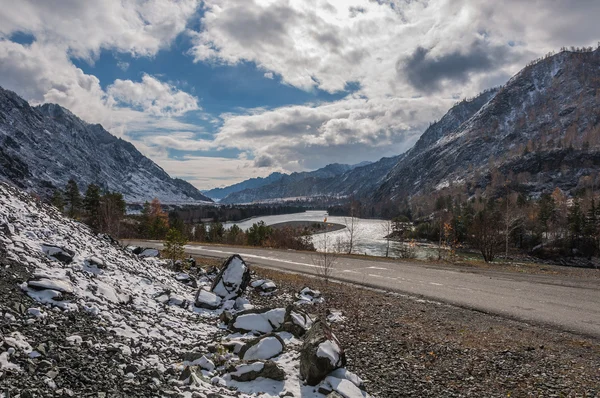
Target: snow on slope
<point>147,313</point>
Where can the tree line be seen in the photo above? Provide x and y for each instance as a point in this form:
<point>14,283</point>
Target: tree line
<point>100,209</point>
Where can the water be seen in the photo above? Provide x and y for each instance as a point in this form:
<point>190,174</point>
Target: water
<point>369,235</point>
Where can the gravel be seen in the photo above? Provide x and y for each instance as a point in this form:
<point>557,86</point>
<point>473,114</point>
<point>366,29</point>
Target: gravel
<point>404,346</point>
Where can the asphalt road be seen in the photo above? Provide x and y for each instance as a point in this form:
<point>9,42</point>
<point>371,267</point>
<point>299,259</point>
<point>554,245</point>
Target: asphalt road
<point>565,303</point>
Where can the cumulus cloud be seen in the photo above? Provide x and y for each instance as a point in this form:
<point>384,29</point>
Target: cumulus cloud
<point>85,27</point>
<point>153,96</point>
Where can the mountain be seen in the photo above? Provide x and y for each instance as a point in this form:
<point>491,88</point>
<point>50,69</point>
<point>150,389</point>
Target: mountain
<point>334,180</point>
<point>220,193</point>
<point>541,130</point>
<point>42,147</point>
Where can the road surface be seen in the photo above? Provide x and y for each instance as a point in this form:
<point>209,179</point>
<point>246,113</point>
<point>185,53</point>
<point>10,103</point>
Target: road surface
<point>567,303</point>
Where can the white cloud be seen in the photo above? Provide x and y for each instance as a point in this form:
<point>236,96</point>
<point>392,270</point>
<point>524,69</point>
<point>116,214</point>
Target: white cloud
<point>85,27</point>
<point>153,96</point>
<point>269,75</point>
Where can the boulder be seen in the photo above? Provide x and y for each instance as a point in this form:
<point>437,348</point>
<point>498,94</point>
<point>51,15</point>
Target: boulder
<point>206,299</point>
<point>261,321</point>
<point>320,354</point>
<point>61,254</point>
<point>265,347</point>
<point>233,278</point>
<point>254,370</point>
<point>150,252</point>
<point>296,321</point>
<point>58,285</point>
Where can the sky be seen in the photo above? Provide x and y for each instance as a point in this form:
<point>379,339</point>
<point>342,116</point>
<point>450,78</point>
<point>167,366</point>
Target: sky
<point>219,91</point>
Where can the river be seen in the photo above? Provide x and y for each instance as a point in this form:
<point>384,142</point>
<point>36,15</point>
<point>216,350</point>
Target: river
<point>369,235</point>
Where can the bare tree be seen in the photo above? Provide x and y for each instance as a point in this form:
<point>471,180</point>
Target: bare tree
<point>352,226</point>
<point>326,259</point>
<point>386,230</point>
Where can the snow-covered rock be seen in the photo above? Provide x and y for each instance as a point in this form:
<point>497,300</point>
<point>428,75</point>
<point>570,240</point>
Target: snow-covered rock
<point>254,370</point>
<point>264,347</point>
<point>206,299</point>
<point>262,321</point>
<point>233,278</point>
<point>320,354</point>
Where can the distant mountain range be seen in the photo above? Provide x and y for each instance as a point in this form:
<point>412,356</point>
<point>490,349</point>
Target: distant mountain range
<point>540,130</point>
<point>42,147</point>
<point>334,180</point>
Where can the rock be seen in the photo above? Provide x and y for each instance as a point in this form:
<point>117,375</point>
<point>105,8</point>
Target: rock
<point>191,262</point>
<point>58,253</point>
<point>150,252</point>
<point>186,279</point>
<point>233,278</point>
<point>265,347</point>
<point>58,285</point>
<point>242,304</point>
<point>296,321</point>
<point>334,394</point>
<point>95,262</point>
<point>345,388</point>
<point>206,299</point>
<point>320,354</point>
<point>264,286</point>
<point>109,239</point>
<point>343,373</point>
<point>262,321</point>
<point>254,370</point>
<point>309,296</point>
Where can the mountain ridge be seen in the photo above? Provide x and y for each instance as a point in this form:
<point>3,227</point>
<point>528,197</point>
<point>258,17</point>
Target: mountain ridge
<point>42,147</point>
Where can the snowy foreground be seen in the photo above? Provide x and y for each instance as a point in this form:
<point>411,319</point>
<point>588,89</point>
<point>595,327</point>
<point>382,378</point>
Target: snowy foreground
<point>152,315</point>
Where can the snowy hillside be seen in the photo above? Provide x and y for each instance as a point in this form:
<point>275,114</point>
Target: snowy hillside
<point>82,316</point>
<point>42,147</point>
<point>541,127</point>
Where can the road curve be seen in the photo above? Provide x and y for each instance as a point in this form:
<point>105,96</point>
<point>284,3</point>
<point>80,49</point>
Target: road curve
<point>566,303</point>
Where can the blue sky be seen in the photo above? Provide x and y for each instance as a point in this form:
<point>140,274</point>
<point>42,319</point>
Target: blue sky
<point>219,91</point>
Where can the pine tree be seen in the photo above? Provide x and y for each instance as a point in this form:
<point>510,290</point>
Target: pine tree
<point>91,204</point>
<point>174,245</point>
<point>58,200</point>
<point>73,199</point>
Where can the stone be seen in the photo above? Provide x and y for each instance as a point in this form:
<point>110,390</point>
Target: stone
<point>254,370</point>
<point>58,253</point>
<point>265,347</point>
<point>150,252</point>
<point>296,321</point>
<point>95,262</point>
<point>320,353</point>
<point>206,299</point>
<point>233,278</point>
<point>263,321</point>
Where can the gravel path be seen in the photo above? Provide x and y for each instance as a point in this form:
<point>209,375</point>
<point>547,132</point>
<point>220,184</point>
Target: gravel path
<point>407,347</point>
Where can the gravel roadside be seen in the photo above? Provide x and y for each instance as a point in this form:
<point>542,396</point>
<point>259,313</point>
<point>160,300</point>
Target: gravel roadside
<point>406,347</point>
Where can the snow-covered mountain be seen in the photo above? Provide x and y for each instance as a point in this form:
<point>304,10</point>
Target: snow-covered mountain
<point>333,180</point>
<point>220,193</point>
<point>541,130</point>
<point>42,147</point>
